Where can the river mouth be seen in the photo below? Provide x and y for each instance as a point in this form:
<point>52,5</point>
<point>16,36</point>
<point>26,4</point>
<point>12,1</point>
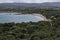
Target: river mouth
<point>12,17</point>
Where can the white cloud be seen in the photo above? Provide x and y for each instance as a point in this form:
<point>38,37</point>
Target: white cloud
<point>28,1</point>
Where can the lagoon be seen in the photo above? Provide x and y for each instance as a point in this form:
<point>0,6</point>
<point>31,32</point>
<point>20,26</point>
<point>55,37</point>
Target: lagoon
<point>7,17</point>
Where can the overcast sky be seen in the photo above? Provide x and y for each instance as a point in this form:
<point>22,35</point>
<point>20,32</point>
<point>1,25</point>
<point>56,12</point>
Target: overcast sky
<point>27,1</point>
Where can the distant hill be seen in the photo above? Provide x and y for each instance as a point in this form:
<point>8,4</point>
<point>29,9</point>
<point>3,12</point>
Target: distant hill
<point>47,4</point>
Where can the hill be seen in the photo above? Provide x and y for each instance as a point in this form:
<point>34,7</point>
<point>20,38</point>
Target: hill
<point>47,4</point>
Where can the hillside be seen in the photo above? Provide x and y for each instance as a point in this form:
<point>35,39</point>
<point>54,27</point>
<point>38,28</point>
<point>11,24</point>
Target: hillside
<point>47,4</point>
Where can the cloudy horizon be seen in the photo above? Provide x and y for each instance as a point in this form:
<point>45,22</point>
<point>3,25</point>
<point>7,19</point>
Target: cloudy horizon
<point>27,1</point>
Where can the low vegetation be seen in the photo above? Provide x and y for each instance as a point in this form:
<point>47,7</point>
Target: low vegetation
<point>43,30</point>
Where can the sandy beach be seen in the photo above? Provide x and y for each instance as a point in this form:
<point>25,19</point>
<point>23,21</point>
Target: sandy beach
<point>40,16</point>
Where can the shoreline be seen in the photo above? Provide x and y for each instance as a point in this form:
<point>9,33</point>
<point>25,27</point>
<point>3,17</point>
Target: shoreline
<point>40,16</point>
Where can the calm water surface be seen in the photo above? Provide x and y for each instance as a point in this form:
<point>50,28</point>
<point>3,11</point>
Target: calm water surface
<point>6,18</point>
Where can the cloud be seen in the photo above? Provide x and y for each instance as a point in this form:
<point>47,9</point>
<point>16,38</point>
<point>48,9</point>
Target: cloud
<point>28,1</point>
<point>3,1</point>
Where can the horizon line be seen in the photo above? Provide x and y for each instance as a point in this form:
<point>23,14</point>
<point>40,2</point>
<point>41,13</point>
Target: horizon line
<point>23,2</point>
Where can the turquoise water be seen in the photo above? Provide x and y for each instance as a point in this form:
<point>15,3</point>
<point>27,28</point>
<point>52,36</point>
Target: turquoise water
<point>6,18</point>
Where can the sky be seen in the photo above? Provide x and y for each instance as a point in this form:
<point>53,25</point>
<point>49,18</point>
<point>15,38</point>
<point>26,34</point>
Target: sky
<point>27,1</point>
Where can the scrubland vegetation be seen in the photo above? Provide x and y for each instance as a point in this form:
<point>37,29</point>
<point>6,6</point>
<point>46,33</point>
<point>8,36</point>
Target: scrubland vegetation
<point>43,30</point>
